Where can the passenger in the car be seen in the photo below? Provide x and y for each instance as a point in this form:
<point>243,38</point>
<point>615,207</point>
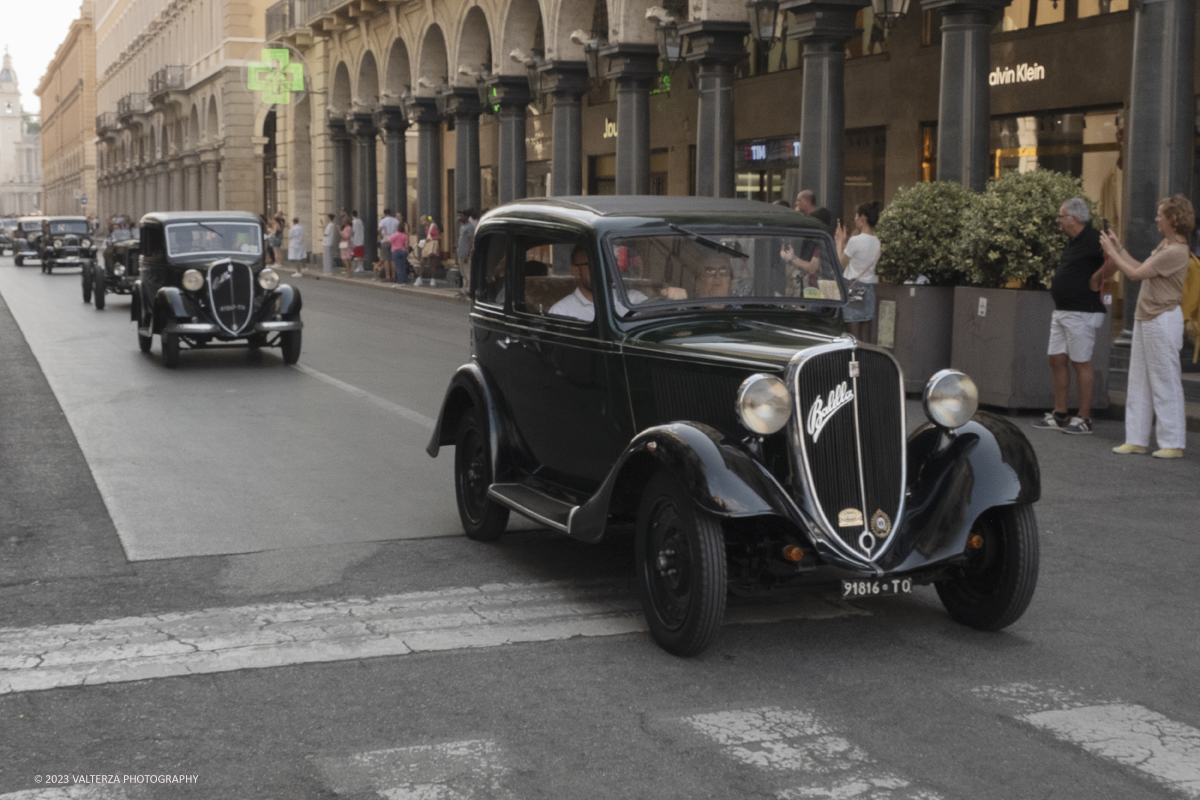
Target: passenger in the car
<point>580,304</point>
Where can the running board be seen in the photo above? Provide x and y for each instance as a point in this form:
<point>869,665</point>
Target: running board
<point>531,503</point>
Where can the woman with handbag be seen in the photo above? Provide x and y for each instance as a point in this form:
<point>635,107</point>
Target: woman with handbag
<point>859,255</point>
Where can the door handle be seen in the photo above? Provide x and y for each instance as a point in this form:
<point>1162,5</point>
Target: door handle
<point>505,342</point>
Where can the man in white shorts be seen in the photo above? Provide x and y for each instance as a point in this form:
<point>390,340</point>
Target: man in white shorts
<point>1079,315</point>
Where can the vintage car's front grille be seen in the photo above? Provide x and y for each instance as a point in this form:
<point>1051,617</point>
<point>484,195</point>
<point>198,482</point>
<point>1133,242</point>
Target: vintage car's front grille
<point>852,435</point>
<point>231,294</point>
<point>684,393</point>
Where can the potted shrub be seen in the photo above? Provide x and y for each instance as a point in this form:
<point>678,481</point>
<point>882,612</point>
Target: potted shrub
<point>1010,248</point>
<point>919,266</point>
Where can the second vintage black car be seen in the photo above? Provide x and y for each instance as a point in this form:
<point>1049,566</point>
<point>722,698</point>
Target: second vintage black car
<point>66,242</point>
<point>26,236</point>
<point>116,269</point>
<point>677,365</point>
<point>202,283</point>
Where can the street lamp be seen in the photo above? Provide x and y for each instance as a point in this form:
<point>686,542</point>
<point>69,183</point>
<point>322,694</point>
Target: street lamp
<point>889,12</point>
<point>764,19</point>
<point>591,52</point>
<point>670,43</point>
<point>531,63</point>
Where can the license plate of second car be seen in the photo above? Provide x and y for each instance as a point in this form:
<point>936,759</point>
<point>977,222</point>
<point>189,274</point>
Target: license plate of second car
<point>876,587</point>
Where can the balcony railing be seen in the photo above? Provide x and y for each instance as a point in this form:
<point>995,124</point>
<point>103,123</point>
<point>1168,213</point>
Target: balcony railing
<point>134,103</point>
<point>167,78</point>
<point>106,121</point>
<point>307,10</point>
<point>279,19</point>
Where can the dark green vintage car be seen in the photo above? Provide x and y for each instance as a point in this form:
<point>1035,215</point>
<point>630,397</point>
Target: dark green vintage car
<point>678,364</point>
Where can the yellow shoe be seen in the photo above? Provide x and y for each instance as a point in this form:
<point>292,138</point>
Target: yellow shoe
<point>1168,452</point>
<point>1132,449</point>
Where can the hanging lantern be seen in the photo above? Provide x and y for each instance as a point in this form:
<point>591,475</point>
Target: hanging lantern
<point>764,19</point>
<point>889,12</point>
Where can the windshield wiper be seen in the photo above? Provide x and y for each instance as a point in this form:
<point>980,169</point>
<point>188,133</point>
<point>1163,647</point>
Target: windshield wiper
<point>707,242</point>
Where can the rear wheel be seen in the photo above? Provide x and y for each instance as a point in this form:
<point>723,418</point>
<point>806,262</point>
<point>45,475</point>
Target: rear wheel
<point>20,262</point>
<point>86,279</point>
<point>49,267</point>
<point>99,288</point>
<point>998,580</point>
<point>681,568</point>
<point>483,519</point>
<point>170,349</point>
<point>289,343</point>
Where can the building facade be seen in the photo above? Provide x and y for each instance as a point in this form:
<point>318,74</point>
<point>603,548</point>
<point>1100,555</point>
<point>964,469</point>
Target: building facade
<point>68,95</point>
<point>176,126</point>
<point>20,149</point>
<point>577,98</point>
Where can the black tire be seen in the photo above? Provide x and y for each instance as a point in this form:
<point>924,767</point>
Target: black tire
<point>680,556</point>
<point>170,349</point>
<point>144,342</point>
<point>99,289</point>
<point>86,279</point>
<point>998,581</point>
<point>20,262</point>
<point>289,344</point>
<point>483,519</point>
<point>50,268</point>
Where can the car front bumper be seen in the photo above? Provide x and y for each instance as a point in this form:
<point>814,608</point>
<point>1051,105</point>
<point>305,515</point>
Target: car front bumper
<point>209,329</point>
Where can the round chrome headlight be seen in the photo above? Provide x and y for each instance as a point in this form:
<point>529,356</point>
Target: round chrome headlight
<point>763,404</point>
<point>268,278</point>
<point>86,243</point>
<point>119,269</point>
<point>951,399</point>
<point>193,280</point>
<point>58,242</point>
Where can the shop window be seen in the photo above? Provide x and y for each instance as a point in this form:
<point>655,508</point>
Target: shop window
<point>928,152</point>
<point>658,171</point>
<point>866,152</point>
<point>870,37</point>
<point>768,169</point>
<point>931,28</point>
<point>1021,14</point>
<point>602,174</point>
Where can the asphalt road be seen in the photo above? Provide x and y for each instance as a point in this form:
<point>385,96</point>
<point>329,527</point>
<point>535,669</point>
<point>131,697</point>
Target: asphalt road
<point>253,575</point>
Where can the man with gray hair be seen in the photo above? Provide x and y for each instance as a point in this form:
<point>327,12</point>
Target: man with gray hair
<point>1079,312</point>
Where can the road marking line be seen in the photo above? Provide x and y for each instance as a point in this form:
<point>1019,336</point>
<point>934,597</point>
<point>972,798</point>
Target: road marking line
<point>387,405</point>
<point>787,742</point>
<point>1166,751</point>
<point>282,634</point>
<point>68,793</point>
<point>471,768</point>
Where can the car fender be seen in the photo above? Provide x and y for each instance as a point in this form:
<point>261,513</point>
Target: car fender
<point>719,473</point>
<point>954,476</point>
<point>471,387</point>
<point>289,301</point>
<point>135,303</point>
<point>168,304</point>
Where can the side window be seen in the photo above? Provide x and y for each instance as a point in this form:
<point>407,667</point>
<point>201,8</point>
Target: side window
<point>152,242</point>
<point>491,268</point>
<point>555,278</point>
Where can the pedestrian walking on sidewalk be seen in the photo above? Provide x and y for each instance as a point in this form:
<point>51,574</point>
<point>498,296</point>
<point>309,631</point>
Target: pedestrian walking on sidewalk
<point>328,246</point>
<point>1155,392</point>
<point>347,245</point>
<point>387,226</point>
<point>399,242</point>
<point>859,255</point>
<point>806,203</point>
<point>1079,313</point>
<point>358,242</point>
<point>296,250</point>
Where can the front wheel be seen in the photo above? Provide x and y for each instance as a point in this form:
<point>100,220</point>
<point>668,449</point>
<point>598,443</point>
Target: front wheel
<point>99,289</point>
<point>170,349</point>
<point>289,343</point>
<point>997,582</point>
<point>680,557</point>
<point>20,262</point>
<point>86,278</point>
<point>483,519</point>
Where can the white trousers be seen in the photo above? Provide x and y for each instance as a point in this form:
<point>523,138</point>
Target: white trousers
<point>1155,392</point>
<point>327,261</point>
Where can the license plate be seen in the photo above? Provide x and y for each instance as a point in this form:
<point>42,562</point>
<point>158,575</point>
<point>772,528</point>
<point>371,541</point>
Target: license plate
<point>876,587</point>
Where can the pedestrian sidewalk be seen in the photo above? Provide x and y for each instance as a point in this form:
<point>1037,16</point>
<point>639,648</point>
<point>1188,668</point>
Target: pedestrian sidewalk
<point>443,291</point>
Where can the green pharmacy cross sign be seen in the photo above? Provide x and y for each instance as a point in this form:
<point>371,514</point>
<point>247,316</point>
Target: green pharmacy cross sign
<point>275,77</point>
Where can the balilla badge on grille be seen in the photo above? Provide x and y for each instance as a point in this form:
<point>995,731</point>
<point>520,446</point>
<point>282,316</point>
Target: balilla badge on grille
<point>822,411</point>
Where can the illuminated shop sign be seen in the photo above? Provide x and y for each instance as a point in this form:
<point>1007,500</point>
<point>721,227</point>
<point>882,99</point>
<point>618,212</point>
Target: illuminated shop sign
<point>756,152</point>
<point>1022,73</point>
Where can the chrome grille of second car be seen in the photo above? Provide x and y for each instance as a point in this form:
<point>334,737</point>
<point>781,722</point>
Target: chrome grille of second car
<point>853,441</point>
<point>231,292</point>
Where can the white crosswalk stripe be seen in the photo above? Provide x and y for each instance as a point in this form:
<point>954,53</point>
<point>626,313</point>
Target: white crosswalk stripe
<point>1166,751</point>
<point>281,634</point>
<point>793,745</point>
<point>452,771</point>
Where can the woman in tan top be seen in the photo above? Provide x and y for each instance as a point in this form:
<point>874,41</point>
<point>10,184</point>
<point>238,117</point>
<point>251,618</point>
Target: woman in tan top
<point>1155,392</point>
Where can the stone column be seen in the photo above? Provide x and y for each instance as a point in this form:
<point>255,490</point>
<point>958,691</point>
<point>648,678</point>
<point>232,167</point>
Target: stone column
<point>633,67</point>
<point>361,125</point>
<point>341,165</point>
<point>1158,126</point>
<point>392,124</point>
<point>463,103</point>
<point>964,108</point>
<point>823,27</point>
<point>191,171</point>
<point>209,199</point>
<point>162,193</point>
<point>715,47</point>
<point>176,177</point>
<point>424,114</point>
<point>512,95</point>
<point>566,82</point>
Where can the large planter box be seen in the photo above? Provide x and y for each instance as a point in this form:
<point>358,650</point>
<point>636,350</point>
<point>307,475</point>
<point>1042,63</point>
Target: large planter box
<point>1000,340</point>
<point>916,323</point>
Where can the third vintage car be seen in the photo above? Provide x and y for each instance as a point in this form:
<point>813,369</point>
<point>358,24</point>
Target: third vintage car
<point>116,270</point>
<point>678,365</point>
<point>66,242</point>
<point>202,283</point>
<point>26,235</point>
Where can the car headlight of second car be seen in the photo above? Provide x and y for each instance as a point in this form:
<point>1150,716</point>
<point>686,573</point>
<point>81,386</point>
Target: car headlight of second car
<point>119,269</point>
<point>268,278</point>
<point>951,399</point>
<point>764,404</point>
<point>86,243</point>
<point>58,242</point>
<point>193,280</point>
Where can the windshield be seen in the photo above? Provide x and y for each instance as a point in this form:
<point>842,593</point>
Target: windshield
<point>195,238</point>
<point>31,226</point>
<point>693,266</point>
<point>121,235</point>
<point>68,227</point>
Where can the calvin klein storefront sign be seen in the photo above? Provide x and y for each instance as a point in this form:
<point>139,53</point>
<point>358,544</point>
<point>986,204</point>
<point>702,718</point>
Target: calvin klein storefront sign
<point>1022,73</point>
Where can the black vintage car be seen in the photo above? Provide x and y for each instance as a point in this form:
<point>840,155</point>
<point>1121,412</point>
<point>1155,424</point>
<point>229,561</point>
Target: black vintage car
<point>66,242</point>
<point>116,270</point>
<point>202,283</point>
<point>26,237</point>
<point>8,233</point>
<point>678,365</point>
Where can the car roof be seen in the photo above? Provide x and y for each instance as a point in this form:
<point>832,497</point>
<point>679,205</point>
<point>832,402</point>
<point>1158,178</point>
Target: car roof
<point>164,217</point>
<point>66,218</point>
<point>603,211</point>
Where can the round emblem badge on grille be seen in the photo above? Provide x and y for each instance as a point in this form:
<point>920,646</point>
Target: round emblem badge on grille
<point>881,524</point>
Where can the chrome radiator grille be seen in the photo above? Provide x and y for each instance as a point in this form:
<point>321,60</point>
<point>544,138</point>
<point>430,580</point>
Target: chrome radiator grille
<point>850,422</point>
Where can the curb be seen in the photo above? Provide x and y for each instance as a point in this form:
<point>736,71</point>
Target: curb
<point>1116,410</point>
<point>449,295</point>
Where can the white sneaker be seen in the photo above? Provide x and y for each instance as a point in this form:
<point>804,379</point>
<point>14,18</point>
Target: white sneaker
<point>417,282</point>
<point>432,282</point>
